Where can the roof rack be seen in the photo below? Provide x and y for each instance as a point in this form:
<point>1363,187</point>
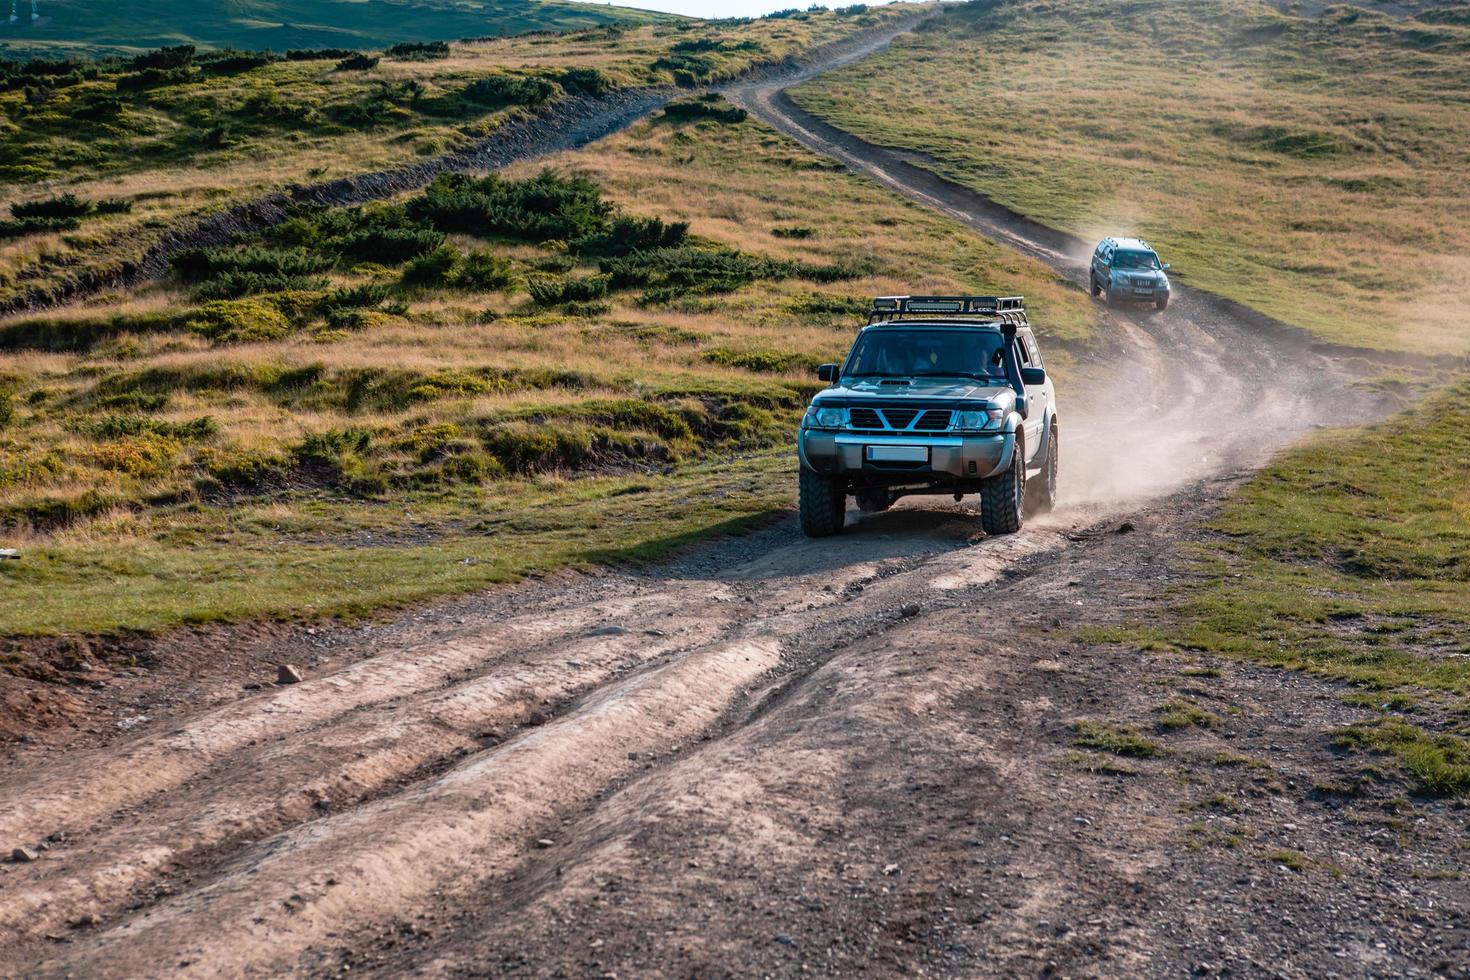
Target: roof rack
<point>1008,309</point>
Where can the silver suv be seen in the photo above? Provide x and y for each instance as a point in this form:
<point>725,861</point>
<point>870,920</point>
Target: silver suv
<point>938,395</point>
<point>1129,271</point>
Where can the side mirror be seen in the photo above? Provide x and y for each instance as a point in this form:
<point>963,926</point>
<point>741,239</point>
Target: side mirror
<point>1033,376</point>
<point>827,372</point>
<point>1166,265</point>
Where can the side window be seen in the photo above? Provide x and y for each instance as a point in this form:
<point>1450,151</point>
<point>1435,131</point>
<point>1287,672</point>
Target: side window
<point>1021,353</point>
<point>1028,345</point>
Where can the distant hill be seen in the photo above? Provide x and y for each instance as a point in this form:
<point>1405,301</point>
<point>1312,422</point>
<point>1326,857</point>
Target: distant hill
<point>130,25</point>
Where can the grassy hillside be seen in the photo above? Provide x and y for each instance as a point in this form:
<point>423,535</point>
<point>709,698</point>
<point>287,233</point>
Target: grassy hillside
<point>170,134</point>
<point>370,406</point>
<point>107,26</point>
<point>1311,168</point>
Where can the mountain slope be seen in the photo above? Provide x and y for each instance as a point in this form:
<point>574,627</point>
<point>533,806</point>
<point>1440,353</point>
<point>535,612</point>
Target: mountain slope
<point>284,24</point>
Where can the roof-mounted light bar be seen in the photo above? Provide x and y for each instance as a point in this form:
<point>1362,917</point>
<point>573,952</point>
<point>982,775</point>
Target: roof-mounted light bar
<point>896,307</point>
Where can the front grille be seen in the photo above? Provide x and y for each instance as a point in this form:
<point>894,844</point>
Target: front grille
<point>899,418</point>
<point>933,420</point>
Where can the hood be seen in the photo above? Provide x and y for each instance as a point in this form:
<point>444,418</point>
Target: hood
<point>917,389</point>
<point>1152,275</point>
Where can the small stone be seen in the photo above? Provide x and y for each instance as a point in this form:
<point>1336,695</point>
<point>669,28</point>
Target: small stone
<point>537,718</point>
<point>286,674</point>
<point>24,855</point>
<point>889,870</point>
<point>544,843</point>
<point>1126,527</point>
<point>252,686</point>
<point>608,631</point>
<point>909,610</point>
<point>322,803</point>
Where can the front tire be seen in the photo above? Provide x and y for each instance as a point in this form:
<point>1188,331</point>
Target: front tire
<point>823,505</point>
<point>1097,290</point>
<point>1041,493</point>
<point>1160,305</point>
<point>1003,496</point>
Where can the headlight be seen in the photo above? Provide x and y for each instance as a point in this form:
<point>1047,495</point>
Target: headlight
<point>979,421</point>
<point>826,418</point>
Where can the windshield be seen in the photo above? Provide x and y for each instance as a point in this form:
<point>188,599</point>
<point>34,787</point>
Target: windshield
<point>927,353</point>
<point>1135,260</point>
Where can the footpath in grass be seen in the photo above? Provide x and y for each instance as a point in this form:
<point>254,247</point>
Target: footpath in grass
<point>1310,168</point>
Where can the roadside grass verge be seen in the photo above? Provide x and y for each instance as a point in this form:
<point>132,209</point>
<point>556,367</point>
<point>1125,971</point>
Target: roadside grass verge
<point>340,444</point>
<point>1349,558</point>
<point>1309,168</point>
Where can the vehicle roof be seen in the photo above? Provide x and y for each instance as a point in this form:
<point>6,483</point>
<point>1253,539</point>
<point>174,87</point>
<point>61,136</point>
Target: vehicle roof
<point>936,322</point>
<point>1137,244</point>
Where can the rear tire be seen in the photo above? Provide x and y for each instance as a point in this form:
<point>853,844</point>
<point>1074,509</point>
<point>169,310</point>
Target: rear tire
<point>1041,493</point>
<point>875,502</point>
<point>1003,496</point>
<point>823,505</point>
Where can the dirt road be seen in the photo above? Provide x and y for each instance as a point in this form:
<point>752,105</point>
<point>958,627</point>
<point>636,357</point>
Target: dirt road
<point>773,756</point>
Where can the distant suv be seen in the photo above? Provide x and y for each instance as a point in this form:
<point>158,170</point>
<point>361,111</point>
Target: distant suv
<point>1128,270</point>
<point>938,395</point>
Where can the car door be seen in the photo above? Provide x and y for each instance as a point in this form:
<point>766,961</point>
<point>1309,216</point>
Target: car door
<point>1036,395</point>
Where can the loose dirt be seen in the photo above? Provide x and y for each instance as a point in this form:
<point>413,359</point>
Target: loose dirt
<point>771,756</point>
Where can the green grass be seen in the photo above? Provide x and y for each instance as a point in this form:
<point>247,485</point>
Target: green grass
<point>1349,558</point>
<point>335,559</point>
<point>1122,740</point>
<point>1178,714</point>
<point>85,26</point>
<point>1309,168</point>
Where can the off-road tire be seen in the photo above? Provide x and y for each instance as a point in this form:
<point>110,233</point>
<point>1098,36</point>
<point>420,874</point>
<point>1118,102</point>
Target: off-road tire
<point>1160,305</point>
<point>1041,491</point>
<point>1097,290</point>
<point>823,505</point>
<point>873,503</point>
<point>1003,496</point>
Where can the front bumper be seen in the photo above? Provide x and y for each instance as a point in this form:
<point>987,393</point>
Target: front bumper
<point>968,456</point>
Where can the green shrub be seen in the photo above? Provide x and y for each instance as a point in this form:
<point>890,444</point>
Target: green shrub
<point>318,54</point>
<point>432,269</point>
<point>61,206</point>
<point>357,62</point>
<point>547,291</point>
<point>508,90</point>
<point>426,51</point>
<point>793,231</point>
<point>547,207</point>
<point>152,78</point>
<point>626,234</point>
<point>712,107</point>
<point>164,58</point>
<point>585,81</point>
<point>483,272</point>
<point>240,321</point>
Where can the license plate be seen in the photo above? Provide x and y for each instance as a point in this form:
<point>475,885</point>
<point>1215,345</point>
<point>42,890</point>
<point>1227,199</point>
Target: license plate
<point>1145,290</point>
<point>898,454</point>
